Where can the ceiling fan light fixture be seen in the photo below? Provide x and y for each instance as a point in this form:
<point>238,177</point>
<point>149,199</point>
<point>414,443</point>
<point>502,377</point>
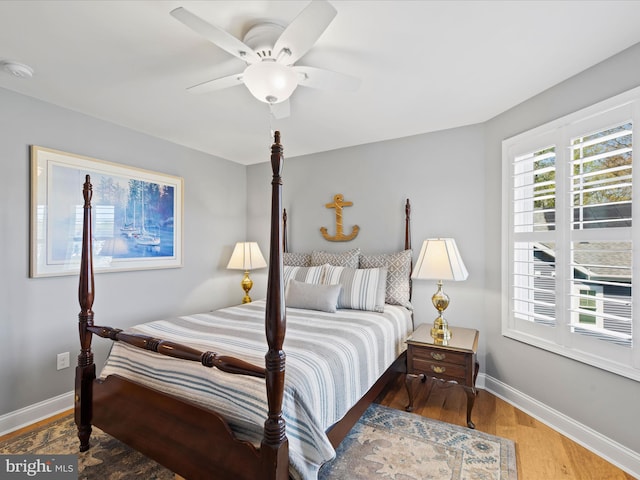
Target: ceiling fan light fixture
<point>270,82</point>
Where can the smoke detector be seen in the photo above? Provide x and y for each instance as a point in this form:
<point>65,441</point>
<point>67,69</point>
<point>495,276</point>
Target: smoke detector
<point>16,69</point>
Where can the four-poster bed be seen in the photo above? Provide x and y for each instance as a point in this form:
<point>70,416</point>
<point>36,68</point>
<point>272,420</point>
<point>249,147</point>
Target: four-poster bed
<point>202,428</point>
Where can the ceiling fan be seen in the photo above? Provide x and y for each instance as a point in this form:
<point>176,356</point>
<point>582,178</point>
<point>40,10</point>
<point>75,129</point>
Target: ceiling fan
<point>270,51</point>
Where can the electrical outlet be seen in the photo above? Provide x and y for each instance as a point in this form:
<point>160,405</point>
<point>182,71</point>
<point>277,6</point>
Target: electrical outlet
<point>63,360</point>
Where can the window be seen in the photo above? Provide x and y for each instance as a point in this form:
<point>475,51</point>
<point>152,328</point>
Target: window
<point>586,304</point>
<point>568,236</point>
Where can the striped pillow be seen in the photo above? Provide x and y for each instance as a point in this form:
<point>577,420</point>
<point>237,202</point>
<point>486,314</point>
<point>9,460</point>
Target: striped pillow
<point>302,274</point>
<point>362,289</point>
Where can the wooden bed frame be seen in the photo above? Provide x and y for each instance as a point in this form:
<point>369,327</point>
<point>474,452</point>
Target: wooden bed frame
<point>192,441</point>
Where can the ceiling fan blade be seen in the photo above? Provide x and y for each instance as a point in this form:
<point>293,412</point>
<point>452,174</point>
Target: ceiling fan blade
<point>280,110</point>
<point>326,79</point>
<point>304,30</point>
<point>217,84</point>
<point>215,35</point>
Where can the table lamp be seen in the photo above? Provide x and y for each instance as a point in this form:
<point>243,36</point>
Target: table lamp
<point>440,260</point>
<point>246,256</point>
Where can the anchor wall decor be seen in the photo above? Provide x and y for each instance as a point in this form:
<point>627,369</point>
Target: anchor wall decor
<point>338,203</point>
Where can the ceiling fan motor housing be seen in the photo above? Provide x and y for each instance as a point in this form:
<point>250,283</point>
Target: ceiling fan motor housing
<point>262,37</point>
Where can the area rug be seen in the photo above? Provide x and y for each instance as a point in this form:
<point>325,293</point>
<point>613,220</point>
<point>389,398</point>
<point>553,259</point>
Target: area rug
<point>107,459</point>
<point>386,444</point>
<point>391,444</point>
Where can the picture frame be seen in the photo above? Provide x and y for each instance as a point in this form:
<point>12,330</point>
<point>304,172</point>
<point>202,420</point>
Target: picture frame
<point>136,213</point>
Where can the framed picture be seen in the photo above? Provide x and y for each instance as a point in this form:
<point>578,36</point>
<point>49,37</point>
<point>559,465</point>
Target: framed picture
<point>136,215</point>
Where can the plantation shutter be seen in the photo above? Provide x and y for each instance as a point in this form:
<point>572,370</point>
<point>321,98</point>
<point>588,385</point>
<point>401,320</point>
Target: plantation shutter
<point>601,246</point>
<point>534,216</point>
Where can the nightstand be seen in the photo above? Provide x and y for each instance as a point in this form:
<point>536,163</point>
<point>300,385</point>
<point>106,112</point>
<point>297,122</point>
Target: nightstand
<point>454,362</point>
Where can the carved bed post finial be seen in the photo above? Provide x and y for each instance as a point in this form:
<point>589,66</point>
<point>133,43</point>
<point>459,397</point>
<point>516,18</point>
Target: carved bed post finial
<point>86,369</point>
<point>275,446</point>
<point>86,282</point>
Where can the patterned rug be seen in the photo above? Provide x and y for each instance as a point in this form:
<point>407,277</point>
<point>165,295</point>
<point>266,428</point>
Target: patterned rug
<point>107,459</point>
<point>386,444</point>
<point>396,445</point>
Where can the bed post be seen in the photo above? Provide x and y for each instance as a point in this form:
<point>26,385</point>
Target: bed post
<point>285,242</point>
<point>407,239</point>
<point>275,446</point>
<point>407,225</point>
<point>86,369</point>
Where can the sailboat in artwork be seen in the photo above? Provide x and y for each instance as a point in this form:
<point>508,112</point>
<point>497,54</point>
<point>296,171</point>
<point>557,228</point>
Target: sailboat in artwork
<point>130,229</point>
<point>146,238</point>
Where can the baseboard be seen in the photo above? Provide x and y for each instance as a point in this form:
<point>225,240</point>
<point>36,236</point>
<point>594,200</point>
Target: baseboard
<point>612,451</point>
<point>24,417</point>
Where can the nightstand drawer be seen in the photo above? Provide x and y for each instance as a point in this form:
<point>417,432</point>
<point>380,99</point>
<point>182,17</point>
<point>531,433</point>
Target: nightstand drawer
<point>429,367</point>
<point>439,356</point>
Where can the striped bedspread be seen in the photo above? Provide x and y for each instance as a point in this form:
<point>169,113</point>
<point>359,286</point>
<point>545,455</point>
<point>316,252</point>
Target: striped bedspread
<point>332,360</point>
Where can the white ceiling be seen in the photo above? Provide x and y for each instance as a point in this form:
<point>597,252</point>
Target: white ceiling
<point>424,65</point>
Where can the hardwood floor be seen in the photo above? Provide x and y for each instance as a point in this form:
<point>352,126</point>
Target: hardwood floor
<point>34,426</point>
<point>542,453</point>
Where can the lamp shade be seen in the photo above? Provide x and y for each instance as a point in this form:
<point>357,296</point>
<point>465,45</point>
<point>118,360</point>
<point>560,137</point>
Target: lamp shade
<point>246,256</point>
<point>440,260</point>
<point>269,81</point>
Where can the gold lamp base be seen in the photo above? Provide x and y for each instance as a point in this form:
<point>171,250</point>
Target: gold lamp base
<point>440,331</point>
<point>246,284</point>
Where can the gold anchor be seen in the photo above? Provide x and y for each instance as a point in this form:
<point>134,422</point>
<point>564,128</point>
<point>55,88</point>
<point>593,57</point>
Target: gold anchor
<point>338,203</point>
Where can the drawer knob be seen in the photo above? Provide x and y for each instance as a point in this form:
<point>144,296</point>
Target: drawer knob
<point>438,356</point>
<point>437,369</point>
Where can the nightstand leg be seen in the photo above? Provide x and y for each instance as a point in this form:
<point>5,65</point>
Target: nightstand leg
<point>409,380</point>
<point>471,398</point>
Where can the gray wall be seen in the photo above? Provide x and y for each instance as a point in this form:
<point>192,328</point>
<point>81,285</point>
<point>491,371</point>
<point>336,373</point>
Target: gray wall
<point>431,170</point>
<point>38,316</point>
<point>453,179</point>
<point>606,402</point>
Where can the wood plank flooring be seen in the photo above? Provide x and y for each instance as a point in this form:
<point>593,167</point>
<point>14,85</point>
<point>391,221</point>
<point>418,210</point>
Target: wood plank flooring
<point>542,453</point>
<point>35,426</point>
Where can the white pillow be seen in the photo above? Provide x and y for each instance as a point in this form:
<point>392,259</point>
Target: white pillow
<point>362,288</point>
<point>312,297</point>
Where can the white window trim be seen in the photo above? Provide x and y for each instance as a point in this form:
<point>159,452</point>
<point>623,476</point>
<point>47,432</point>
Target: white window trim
<point>623,361</point>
